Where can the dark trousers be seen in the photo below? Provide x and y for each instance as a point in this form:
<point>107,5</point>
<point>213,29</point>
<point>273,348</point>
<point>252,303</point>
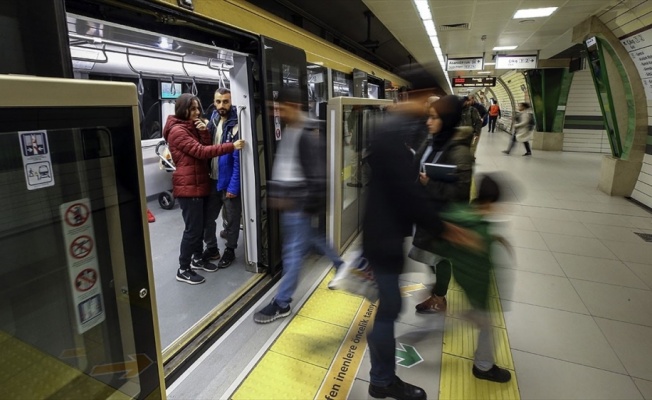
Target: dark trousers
<point>231,217</point>
<point>492,123</point>
<point>382,344</point>
<point>443,272</point>
<point>193,211</point>
<point>513,142</point>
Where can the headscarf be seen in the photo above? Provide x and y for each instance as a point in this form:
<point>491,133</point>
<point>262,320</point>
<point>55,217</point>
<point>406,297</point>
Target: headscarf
<point>449,109</point>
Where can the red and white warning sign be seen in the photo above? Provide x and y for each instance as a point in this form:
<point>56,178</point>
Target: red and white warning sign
<point>81,247</point>
<point>86,279</point>
<point>77,214</point>
<point>83,268</point>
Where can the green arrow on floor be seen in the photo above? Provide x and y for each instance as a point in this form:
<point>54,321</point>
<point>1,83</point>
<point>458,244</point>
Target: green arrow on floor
<point>407,356</point>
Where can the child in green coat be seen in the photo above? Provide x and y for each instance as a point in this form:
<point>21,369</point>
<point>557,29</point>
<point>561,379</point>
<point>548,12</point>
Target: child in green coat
<point>473,269</point>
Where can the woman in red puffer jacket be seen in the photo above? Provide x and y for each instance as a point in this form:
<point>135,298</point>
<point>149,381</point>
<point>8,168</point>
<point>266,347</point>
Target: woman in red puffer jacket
<point>189,144</point>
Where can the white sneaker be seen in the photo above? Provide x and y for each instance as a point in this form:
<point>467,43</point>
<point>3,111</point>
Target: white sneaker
<point>357,278</point>
<point>341,272</point>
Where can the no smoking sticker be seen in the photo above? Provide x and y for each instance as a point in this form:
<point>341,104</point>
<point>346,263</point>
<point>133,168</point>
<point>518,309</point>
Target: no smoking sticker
<point>86,280</point>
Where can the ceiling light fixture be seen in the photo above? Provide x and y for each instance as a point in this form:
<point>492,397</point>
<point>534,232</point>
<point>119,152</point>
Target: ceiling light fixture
<point>484,72</point>
<point>489,63</point>
<point>423,8</point>
<point>534,12</point>
<point>429,24</point>
<point>430,28</point>
<point>497,48</point>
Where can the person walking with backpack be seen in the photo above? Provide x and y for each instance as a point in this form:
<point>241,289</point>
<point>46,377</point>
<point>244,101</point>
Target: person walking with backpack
<point>494,114</point>
<point>522,129</point>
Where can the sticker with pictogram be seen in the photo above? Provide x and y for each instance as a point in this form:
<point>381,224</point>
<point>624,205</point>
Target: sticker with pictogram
<point>81,247</point>
<point>37,162</point>
<point>86,280</point>
<point>77,214</point>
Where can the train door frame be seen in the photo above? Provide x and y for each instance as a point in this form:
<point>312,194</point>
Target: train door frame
<point>275,56</point>
<point>161,19</point>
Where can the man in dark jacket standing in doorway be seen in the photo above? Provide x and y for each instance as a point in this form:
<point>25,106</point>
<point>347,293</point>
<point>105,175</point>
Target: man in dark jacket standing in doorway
<point>225,182</point>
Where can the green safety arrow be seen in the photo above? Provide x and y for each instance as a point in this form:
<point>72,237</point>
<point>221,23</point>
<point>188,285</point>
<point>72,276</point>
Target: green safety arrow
<point>407,356</point>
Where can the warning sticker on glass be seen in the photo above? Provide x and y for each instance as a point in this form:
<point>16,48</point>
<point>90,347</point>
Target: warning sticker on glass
<point>37,162</point>
<point>83,269</point>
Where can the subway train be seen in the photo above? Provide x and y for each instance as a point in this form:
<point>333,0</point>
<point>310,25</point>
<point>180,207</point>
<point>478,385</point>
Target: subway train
<point>162,51</point>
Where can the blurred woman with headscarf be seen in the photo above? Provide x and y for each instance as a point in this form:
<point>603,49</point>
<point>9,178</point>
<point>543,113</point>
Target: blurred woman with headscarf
<point>447,144</point>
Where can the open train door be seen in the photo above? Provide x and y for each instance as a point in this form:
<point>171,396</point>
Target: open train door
<point>285,66</point>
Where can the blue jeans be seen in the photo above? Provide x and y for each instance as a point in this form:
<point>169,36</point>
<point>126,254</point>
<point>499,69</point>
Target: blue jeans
<point>382,344</point>
<point>319,242</point>
<point>298,236</point>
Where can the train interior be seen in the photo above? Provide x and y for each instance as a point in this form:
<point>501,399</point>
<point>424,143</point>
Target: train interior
<point>162,67</point>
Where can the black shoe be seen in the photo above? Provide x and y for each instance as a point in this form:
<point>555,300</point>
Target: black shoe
<point>227,258</point>
<point>271,312</point>
<point>527,154</point>
<point>189,276</point>
<point>211,254</point>
<point>398,390</point>
<point>202,263</point>
<point>495,374</point>
<point>505,152</point>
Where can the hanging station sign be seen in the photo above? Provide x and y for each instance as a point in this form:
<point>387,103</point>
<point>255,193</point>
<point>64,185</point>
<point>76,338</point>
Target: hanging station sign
<point>516,62</point>
<point>473,81</point>
<point>464,64</point>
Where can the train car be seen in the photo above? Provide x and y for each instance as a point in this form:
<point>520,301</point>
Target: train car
<point>165,50</point>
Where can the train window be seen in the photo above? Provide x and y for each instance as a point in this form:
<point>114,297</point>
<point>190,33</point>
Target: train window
<point>317,88</point>
<point>342,84</point>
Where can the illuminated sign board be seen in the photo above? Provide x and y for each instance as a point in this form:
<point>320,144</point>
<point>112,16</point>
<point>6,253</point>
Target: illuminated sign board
<point>516,62</point>
<point>464,64</point>
<point>481,81</point>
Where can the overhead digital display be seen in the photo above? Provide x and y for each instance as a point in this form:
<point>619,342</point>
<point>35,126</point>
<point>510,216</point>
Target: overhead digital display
<point>481,81</point>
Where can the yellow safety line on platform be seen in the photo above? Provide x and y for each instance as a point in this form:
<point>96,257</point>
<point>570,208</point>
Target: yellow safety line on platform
<point>344,369</point>
<point>460,339</point>
<point>316,340</point>
<point>319,353</point>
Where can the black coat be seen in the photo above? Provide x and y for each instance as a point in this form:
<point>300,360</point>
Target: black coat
<point>455,152</point>
<point>393,202</point>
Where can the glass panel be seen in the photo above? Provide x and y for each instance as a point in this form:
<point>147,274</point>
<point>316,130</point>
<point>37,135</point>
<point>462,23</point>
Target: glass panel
<point>342,84</point>
<point>65,313</point>
<point>317,90</point>
<point>359,123</point>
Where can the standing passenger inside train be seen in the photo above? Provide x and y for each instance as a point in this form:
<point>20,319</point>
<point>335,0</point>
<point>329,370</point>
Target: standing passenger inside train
<point>393,204</point>
<point>298,190</point>
<point>225,183</point>
<point>189,144</point>
<point>447,145</point>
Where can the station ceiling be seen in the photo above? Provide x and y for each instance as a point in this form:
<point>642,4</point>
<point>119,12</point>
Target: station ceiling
<point>396,39</point>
